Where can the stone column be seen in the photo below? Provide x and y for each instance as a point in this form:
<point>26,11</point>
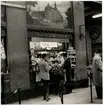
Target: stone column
<point>17,47</point>
<point>80,44</point>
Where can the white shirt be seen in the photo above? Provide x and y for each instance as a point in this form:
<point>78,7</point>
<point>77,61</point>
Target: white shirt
<point>44,70</point>
<point>38,60</point>
<point>97,75</point>
<point>62,60</point>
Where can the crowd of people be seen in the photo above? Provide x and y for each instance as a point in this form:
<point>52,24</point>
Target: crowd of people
<point>57,65</point>
<point>60,65</point>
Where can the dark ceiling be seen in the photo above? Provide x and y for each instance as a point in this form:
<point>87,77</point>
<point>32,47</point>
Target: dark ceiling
<point>92,8</point>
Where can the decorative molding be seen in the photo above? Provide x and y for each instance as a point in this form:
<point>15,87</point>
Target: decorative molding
<point>33,27</point>
<point>42,32</point>
<point>13,5</point>
<point>46,34</point>
<point>100,2</point>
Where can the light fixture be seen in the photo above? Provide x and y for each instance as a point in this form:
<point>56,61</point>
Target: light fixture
<point>97,16</point>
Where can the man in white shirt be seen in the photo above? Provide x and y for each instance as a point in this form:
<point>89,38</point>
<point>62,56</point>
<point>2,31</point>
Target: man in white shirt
<point>44,68</point>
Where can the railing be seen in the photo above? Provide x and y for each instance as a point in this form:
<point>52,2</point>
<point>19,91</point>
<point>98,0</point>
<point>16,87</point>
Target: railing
<point>61,91</point>
<point>91,79</point>
<point>18,91</point>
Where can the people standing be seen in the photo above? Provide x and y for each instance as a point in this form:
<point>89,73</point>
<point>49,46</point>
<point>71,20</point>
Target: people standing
<point>61,59</point>
<point>38,58</point>
<point>97,73</point>
<point>44,68</point>
<point>38,78</point>
<point>67,68</point>
<point>33,59</point>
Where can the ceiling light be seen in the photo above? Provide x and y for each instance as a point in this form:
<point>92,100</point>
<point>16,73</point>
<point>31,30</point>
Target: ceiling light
<point>97,16</point>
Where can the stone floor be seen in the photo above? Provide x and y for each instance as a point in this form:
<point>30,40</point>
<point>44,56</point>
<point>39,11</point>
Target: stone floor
<point>78,96</point>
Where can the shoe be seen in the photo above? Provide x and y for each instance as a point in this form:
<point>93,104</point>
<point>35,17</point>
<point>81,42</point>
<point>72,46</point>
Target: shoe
<point>47,99</point>
<point>44,98</point>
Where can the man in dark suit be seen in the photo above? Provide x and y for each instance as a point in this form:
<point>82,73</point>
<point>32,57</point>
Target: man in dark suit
<point>67,68</point>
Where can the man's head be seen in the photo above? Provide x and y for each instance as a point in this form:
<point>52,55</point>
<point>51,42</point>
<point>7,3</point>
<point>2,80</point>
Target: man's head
<point>45,57</point>
<point>32,51</point>
<point>65,55</point>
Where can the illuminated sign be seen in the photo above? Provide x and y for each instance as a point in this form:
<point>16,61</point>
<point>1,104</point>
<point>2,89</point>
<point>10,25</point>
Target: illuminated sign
<point>48,45</point>
<point>45,45</point>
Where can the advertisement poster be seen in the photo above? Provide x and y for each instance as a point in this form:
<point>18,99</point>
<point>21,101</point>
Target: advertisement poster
<point>49,14</point>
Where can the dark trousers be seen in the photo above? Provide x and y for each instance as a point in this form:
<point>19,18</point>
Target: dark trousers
<point>69,84</point>
<point>46,89</point>
<point>99,92</point>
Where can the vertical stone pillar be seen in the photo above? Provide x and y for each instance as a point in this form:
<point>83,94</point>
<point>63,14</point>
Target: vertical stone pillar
<point>80,44</point>
<point>17,47</point>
